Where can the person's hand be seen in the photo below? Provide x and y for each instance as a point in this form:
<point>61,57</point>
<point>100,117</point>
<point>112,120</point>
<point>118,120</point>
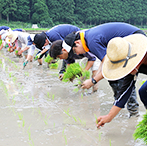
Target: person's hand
<point>37,56</point>
<point>102,120</point>
<point>87,84</point>
<point>61,76</point>
<point>11,50</point>
<point>20,52</point>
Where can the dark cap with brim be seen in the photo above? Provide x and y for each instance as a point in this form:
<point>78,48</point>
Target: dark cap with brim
<point>68,42</point>
<point>39,40</point>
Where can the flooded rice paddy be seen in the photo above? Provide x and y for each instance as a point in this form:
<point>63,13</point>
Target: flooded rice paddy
<point>37,109</point>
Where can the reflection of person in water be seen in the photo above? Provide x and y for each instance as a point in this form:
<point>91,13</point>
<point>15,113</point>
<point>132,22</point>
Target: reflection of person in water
<point>126,57</point>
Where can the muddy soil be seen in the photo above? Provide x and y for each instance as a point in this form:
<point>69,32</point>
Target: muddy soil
<point>37,109</point>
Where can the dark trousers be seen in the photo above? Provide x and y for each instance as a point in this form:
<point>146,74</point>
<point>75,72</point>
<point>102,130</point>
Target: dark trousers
<point>143,94</point>
<point>132,104</point>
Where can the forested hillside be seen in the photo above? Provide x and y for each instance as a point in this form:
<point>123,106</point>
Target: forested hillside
<point>87,12</point>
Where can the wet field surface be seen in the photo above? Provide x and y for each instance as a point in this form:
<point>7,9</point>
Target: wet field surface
<point>37,109</point>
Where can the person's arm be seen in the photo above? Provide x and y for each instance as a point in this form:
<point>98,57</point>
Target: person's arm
<point>88,83</point>
<point>123,96</point>
<point>43,51</point>
<point>108,118</point>
<point>89,65</point>
<point>22,50</point>
<point>1,46</point>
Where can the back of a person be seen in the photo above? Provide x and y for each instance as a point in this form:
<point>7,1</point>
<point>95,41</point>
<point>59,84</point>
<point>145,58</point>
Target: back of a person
<point>59,32</point>
<point>22,37</point>
<point>110,30</point>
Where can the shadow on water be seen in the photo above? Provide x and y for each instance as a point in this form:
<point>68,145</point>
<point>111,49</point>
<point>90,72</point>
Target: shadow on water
<point>37,109</point>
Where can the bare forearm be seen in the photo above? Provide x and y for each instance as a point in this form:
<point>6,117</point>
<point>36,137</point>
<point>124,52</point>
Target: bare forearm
<point>43,51</point>
<point>108,118</point>
<point>89,65</point>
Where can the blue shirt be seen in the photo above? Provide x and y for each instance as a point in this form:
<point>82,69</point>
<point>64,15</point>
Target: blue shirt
<point>59,32</point>
<point>98,37</point>
<point>4,27</point>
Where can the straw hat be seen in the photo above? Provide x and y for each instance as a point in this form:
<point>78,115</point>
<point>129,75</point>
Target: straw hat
<point>123,55</point>
<point>12,35</point>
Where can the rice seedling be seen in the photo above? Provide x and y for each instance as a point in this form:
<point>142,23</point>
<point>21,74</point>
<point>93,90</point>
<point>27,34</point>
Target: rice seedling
<point>26,74</point>
<point>71,72</point>
<point>48,95</point>
<point>67,112</point>
<point>74,118</point>
<point>82,95</point>
<point>65,138</point>
<point>29,133</point>
<point>32,98</point>
<point>14,79</point>
<point>110,142</point>
<point>53,96</point>
<point>20,116</point>
<point>54,65</point>
<point>82,122</point>
<point>10,74</point>
<point>141,130</point>
<point>45,120</point>
<point>100,136</point>
<point>96,118</point>
<point>75,71</point>
<point>23,123</point>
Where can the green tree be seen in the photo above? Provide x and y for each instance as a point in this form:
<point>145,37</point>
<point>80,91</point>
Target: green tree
<point>23,10</point>
<point>1,8</point>
<point>40,12</point>
<point>9,8</point>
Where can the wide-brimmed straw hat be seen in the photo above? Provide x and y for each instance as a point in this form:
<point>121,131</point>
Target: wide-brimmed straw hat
<point>12,35</point>
<point>123,55</point>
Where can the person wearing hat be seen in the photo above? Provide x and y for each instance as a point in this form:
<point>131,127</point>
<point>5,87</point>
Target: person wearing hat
<point>126,57</point>
<point>18,39</point>
<point>95,40</point>
<point>62,49</point>
<point>43,41</point>
<point>3,35</point>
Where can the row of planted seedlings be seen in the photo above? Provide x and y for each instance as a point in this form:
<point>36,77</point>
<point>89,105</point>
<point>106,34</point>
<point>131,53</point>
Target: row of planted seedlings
<point>73,71</point>
<point>10,70</point>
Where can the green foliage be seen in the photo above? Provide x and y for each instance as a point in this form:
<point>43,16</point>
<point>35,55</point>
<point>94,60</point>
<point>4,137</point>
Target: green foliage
<point>47,13</point>
<point>0,41</point>
<point>74,70</point>
<point>48,59</point>
<point>54,65</point>
<point>141,130</point>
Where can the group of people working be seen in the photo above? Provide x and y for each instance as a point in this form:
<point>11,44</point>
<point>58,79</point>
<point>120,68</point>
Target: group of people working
<point>120,47</point>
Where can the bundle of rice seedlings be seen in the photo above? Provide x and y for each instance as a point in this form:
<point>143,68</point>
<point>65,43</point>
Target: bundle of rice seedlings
<point>48,59</point>
<point>141,130</point>
<point>75,71</point>
<point>54,65</point>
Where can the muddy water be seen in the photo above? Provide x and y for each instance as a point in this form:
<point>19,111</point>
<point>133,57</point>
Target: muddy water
<point>39,110</point>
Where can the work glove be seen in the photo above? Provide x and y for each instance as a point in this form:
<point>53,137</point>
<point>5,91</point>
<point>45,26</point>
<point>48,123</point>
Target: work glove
<point>25,63</point>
